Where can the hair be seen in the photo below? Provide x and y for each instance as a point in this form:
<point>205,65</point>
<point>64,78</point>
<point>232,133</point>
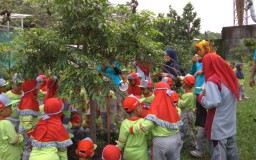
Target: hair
<point>232,62</point>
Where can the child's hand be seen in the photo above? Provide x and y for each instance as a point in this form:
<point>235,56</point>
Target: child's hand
<point>203,92</point>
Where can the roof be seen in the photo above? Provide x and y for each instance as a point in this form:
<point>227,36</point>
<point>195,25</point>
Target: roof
<point>17,15</point>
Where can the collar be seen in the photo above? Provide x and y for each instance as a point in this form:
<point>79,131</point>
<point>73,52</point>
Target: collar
<point>189,91</point>
<point>150,94</point>
<point>2,118</point>
<point>134,119</point>
<point>14,92</point>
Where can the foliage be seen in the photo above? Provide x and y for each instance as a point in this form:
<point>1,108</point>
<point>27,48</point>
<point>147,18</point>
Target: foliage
<point>178,32</point>
<point>241,53</point>
<point>208,35</point>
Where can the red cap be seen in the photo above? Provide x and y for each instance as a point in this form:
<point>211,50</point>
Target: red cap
<point>167,80</point>
<point>85,148</point>
<point>111,152</point>
<point>189,80</point>
<point>132,102</point>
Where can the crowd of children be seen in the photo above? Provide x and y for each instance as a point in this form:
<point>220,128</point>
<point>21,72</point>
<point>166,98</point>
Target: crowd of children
<point>36,124</point>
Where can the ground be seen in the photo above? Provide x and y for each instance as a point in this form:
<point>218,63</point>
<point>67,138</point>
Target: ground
<point>246,126</point>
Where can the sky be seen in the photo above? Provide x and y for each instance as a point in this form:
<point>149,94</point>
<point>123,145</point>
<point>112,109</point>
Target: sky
<point>214,14</point>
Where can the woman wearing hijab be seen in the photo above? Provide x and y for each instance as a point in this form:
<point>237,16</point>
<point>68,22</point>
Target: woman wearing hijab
<point>28,111</point>
<point>219,97</point>
<point>50,138</point>
<point>172,64</point>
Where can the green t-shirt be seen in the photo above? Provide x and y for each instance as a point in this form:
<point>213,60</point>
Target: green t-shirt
<point>148,100</point>
<point>50,153</point>
<point>187,101</point>
<point>79,100</point>
<point>156,130</point>
<point>28,121</point>
<point>10,148</point>
<point>13,96</point>
<point>134,145</point>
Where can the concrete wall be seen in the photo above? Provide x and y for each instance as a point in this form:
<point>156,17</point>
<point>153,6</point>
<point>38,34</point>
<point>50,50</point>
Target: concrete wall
<point>233,37</point>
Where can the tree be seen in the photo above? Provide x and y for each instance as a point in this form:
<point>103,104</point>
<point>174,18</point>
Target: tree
<point>178,32</point>
<point>100,34</point>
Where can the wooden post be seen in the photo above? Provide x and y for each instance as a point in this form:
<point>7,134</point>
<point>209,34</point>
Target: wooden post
<point>93,106</point>
<point>108,118</point>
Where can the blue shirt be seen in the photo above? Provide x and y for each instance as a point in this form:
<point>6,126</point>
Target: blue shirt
<point>199,78</point>
<point>111,73</point>
<point>254,55</point>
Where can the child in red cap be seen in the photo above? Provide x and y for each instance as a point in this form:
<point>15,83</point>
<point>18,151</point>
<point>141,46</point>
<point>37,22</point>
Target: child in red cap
<point>146,92</point>
<point>134,82</point>
<point>28,111</point>
<point>164,123</point>
<point>134,145</point>
<point>111,152</point>
<point>9,139</point>
<point>50,139</point>
<point>187,103</point>
<point>85,149</point>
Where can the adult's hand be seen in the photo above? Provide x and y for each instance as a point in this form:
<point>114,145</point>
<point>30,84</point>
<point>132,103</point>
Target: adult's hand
<point>198,72</point>
<point>252,82</point>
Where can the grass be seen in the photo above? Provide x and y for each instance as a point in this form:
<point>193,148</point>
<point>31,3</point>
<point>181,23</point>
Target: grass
<point>246,124</point>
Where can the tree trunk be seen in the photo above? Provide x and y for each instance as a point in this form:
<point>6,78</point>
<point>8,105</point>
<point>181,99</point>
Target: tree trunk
<point>108,118</point>
<point>93,106</point>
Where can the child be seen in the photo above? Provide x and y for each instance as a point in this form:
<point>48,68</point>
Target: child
<point>49,138</point>
<point>103,112</point>
<point>111,152</point>
<point>146,92</point>
<point>42,79</point>
<point>232,65</point>
<point>240,77</point>
<point>15,94</point>
<point>76,129</point>
<point>201,112</point>
<point>9,139</point>
<point>3,84</point>
<point>187,103</point>
<point>52,88</point>
<point>85,149</point>
<point>134,82</point>
<point>134,146</point>
<point>28,111</point>
<point>164,122</point>
<point>79,99</point>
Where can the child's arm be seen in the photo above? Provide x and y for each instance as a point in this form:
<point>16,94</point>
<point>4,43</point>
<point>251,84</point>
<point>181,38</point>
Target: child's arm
<point>186,101</point>
<point>14,138</point>
<point>123,135</point>
<point>142,127</point>
<point>27,122</point>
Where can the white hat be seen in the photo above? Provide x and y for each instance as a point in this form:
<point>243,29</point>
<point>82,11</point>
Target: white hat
<point>5,101</point>
<point>3,82</point>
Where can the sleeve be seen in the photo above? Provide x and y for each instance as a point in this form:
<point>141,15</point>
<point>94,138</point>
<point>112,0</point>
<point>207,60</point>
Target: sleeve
<point>186,102</point>
<point>63,154</point>
<point>193,69</point>
<point>142,127</point>
<point>212,96</point>
<point>14,138</point>
<point>27,122</point>
<point>123,135</point>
